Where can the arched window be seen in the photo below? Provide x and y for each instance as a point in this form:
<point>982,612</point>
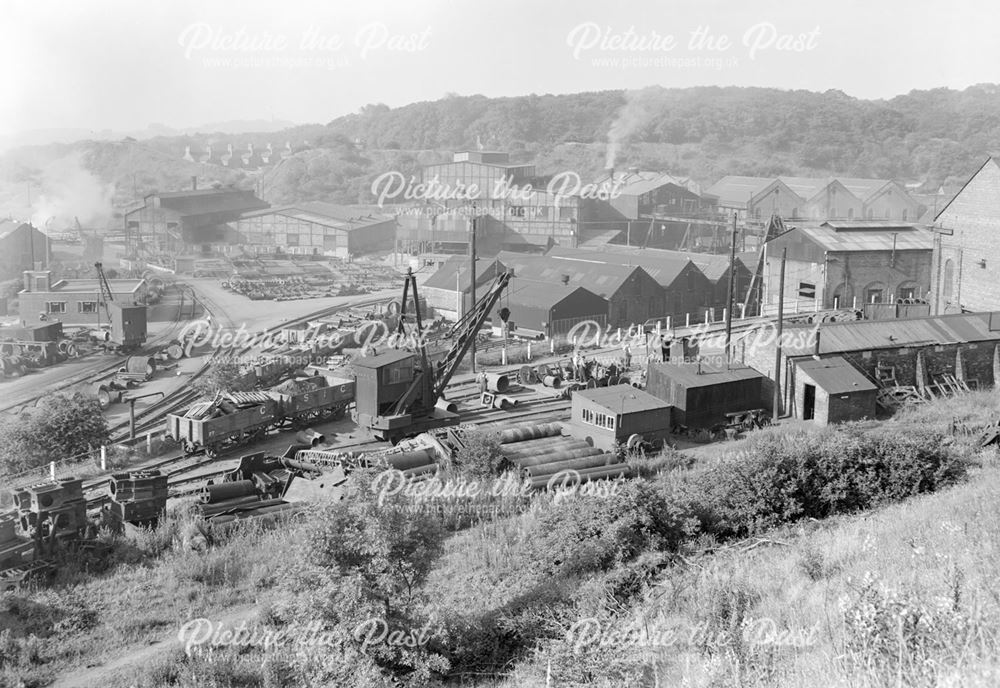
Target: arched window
<point>947,289</point>
<point>875,293</point>
<point>842,296</point>
<point>908,290</point>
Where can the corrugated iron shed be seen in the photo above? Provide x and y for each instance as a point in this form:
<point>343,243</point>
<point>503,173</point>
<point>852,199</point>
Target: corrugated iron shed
<point>864,335</point>
<point>622,399</point>
<point>865,238</point>
<point>687,374</point>
<point>835,375</point>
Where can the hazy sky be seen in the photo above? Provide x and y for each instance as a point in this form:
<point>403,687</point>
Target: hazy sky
<point>121,65</point>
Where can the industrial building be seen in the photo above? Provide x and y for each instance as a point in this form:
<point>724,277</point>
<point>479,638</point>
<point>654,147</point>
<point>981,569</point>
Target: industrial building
<point>606,416</point>
<point>702,395</point>
<point>686,289</point>
<point>915,353</point>
<point>755,199</point>
<point>633,296</point>
<point>848,264</point>
<point>449,290</point>
<point>74,302</point>
<point>651,209</point>
<point>22,247</point>
<point>188,221</point>
<point>831,390</point>
<point>315,228</point>
<point>542,308</point>
<point>966,271</point>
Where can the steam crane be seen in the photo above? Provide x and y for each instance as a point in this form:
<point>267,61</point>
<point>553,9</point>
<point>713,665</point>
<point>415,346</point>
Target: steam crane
<point>401,393</point>
<point>106,295</point>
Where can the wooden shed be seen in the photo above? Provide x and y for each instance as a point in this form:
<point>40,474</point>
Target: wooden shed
<point>608,415</point>
<point>702,395</point>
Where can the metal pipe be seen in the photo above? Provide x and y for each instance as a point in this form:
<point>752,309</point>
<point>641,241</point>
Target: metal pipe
<point>552,381</point>
<point>530,432</point>
<point>729,296</point>
<point>472,260</point>
<point>583,476</point>
<point>445,405</point>
<point>420,470</point>
<point>223,491</point>
<point>776,411</point>
<point>497,382</point>
<point>410,459</point>
<point>534,462</point>
<point>552,453</point>
<point>583,462</point>
<point>531,446</point>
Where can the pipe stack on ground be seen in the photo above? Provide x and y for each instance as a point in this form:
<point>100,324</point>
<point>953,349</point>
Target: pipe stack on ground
<point>582,476</point>
<point>530,432</point>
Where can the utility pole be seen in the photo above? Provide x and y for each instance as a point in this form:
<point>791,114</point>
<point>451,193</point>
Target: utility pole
<point>472,261</point>
<point>729,296</point>
<point>777,350</point>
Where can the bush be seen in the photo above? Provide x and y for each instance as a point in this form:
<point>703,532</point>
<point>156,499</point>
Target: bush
<point>778,479</point>
<point>588,533</point>
<point>481,456</point>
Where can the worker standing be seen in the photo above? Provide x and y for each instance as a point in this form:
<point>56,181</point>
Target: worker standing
<point>482,383</point>
<point>627,352</point>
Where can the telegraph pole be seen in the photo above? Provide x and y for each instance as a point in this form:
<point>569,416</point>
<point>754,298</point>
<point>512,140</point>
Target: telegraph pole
<point>777,350</point>
<point>729,296</point>
<point>472,261</point>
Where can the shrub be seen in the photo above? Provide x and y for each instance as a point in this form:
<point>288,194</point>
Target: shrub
<point>481,456</point>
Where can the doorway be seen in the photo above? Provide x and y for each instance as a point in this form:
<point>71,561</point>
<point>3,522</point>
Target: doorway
<point>809,403</point>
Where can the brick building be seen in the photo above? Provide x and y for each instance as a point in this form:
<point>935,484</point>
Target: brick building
<point>74,302</point>
<point>831,390</point>
<point>966,268</point>
<point>847,264</point>
<point>451,285</point>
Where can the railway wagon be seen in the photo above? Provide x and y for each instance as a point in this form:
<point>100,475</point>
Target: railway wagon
<point>216,433</point>
<point>328,398</point>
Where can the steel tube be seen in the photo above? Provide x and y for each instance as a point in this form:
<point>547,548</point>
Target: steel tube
<point>530,432</point>
<point>598,460</point>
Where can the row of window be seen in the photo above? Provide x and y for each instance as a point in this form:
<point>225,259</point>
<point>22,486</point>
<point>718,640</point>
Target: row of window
<point>81,307</point>
<point>601,420</point>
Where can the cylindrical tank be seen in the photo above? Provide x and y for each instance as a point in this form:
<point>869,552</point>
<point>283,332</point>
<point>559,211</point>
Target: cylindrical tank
<point>577,464</point>
<point>584,476</point>
<point>575,452</point>
<point>553,381</point>
<point>530,432</point>
<point>310,437</point>
<point>145,365</point>
<point>223,491</point>
<point>445,405</point>
<point>497,382</point>
<point>100,335</point>
<point>410,459</point>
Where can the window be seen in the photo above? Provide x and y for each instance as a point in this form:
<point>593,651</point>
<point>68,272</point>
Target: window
<point>875,293</point>
<point>795,213</point>
<point>86,307</point>
<point>907,292</point>
<point>55,307</point>
<point>949,276</point>
<point>903,217</point>
<point>601,420</point>
<point>399,374</point>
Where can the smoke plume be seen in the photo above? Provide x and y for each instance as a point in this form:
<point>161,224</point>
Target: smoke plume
<point>640,107</point>
<point>68,191</point>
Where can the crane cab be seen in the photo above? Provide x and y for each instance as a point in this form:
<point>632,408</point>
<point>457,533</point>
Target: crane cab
<point>380,382</point>
<point>128,325</point>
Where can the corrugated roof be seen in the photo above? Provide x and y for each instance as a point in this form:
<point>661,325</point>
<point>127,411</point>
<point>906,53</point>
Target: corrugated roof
<point>735,190</point>
<point>204,202</point>
<point>642,182</point>
<point>688,376</point>
<point>835,375</point>
<point>662,266</point>
<point>865,335</point>
<point>382,359</point>
<point>345,218</point>
<point>622,399</point>
<point>858,236</point>
<point>542,294</point>
<point>454,273</point>
<point>602,278</point>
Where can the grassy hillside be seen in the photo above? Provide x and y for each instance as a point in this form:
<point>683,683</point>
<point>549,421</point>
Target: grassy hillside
<point>861,556</point>
<point>937,137</point>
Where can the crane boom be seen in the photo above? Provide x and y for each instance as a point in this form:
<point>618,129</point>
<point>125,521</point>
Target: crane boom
<point>106,295</point>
